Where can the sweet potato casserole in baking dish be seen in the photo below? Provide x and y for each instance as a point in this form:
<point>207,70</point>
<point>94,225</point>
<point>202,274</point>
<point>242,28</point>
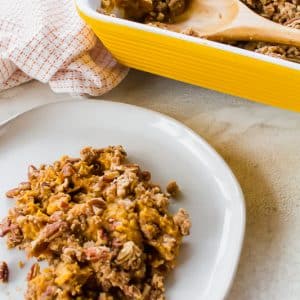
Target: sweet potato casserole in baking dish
<point>101,225</point>
<point>158,12</point>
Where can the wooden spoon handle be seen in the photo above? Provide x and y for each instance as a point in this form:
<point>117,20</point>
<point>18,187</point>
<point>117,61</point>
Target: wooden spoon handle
<point>278,34</point>
<point>248,26</point>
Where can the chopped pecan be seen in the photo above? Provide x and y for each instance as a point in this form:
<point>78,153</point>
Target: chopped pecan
<point>68,170</point>
<point>5,226</point>
<point>12,193</point>
<point>99,202</point>
<point>73,160</point>
<point>110,176</point>
<point>33,272</point>
<point>4,272</point>
<point>23,186</point>
<point>32,172</point>
<point>47,234</point>
<point>101,253</point>
<point>15,236</point>
<point>62,187</point>
<point>53,230</point>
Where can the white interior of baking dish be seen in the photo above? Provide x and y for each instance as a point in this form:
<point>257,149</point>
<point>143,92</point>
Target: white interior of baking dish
<point>90,9</point>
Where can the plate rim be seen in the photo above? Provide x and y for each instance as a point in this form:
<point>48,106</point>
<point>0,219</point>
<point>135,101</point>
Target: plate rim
<point>240,196</point>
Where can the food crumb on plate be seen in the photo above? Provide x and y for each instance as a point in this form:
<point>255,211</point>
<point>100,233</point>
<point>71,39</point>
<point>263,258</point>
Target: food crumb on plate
<point>173,188</point>
<point>4,272</point>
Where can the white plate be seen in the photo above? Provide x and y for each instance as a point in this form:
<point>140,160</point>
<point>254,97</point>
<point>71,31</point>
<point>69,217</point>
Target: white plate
<point>168,149</point>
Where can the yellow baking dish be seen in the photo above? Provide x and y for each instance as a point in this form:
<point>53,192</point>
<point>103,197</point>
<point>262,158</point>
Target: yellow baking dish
<point>197,61</point>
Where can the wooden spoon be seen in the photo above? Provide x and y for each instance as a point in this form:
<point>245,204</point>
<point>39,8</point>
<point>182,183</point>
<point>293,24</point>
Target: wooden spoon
<point>225,20</point>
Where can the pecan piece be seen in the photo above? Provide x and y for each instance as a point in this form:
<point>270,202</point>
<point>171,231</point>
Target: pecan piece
<point>4,272</point>
<point>12,193</point>
<point>102,253</point>
<point>51,231</point>
<point>23,186</point>
<point>47,234</point>
<point>32,172</point>
<point>99,202</point>
<point>68,170</point>
<point>73,160</point>
<point>15,236</point>
<point>33,272</point>
<point>5,227</point>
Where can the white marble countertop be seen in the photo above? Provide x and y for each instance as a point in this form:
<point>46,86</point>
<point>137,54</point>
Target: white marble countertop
<point>262,146</point>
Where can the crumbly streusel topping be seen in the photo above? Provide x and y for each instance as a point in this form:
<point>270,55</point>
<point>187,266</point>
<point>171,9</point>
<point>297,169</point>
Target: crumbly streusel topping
<point>101,225</point>
<point>158,12</point>
<point>146,11</point>
<point>286,12</point>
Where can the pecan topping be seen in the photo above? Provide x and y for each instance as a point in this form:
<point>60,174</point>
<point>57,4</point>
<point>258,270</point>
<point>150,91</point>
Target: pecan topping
<point>103,228</point>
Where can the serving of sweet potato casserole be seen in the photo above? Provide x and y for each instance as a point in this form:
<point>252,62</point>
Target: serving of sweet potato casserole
<point>101,225</point>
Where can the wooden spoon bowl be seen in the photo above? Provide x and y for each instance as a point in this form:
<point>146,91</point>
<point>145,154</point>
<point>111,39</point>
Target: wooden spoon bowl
<point>226,20</point>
